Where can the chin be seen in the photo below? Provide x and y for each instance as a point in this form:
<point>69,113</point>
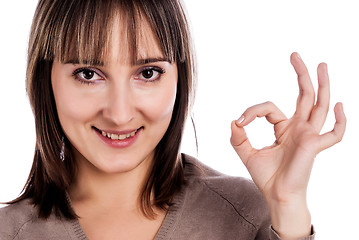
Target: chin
<point>120,164</point>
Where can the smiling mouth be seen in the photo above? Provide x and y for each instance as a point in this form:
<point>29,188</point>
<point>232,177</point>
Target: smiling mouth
<point>114,136</point>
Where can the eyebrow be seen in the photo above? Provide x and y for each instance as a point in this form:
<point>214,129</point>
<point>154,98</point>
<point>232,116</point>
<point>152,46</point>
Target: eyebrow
<point>151,60</point>
<point>85,62</point>
<point>137,62</point>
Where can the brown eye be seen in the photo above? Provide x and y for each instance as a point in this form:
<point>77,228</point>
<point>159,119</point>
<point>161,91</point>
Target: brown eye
<point>148,73</point>
<point>88,74</point>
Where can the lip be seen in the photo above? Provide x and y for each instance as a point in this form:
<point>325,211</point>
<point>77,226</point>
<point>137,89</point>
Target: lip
<point>118,143</point>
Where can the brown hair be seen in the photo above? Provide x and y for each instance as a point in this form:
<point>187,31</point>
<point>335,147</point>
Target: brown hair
<point>81,29</point>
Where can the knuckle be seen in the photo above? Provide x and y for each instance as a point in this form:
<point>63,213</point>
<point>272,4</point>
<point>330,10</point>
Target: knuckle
<point>251,109</point>
<point>339,138</point>
<point>270,104</point>
<point>307,92</point>
<point>323,108</point>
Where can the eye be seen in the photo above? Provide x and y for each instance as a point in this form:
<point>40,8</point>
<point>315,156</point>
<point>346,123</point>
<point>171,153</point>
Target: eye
<point>87,75</point>
<point>150,74</point>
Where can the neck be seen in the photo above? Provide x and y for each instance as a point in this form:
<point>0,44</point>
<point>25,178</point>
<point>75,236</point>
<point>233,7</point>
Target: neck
<point>107,190</point>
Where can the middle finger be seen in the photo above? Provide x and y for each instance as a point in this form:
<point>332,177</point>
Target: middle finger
<point>306,96</point>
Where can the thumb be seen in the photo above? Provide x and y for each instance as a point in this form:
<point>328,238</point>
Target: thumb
<point>240,142</point>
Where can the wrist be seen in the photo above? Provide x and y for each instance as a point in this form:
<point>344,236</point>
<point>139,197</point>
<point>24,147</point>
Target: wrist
<point>291,220</point>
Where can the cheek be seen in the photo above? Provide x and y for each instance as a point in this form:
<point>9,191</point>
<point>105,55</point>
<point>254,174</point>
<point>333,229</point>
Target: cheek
<point>72,105</point>
<point>73,102</point>
<point>159,105</point>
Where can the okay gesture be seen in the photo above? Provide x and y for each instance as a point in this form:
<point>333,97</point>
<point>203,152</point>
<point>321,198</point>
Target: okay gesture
<point>281,171</point>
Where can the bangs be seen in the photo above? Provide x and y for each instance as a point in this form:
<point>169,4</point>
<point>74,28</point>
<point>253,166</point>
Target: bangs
<point>81,31</point>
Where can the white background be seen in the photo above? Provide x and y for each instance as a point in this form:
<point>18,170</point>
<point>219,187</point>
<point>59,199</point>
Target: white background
<point>243,50</point>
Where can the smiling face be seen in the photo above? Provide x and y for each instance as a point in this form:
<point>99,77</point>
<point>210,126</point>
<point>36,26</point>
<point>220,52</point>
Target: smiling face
<point>115,114</point>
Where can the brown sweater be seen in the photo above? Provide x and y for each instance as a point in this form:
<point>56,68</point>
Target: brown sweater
<point>210,206</point>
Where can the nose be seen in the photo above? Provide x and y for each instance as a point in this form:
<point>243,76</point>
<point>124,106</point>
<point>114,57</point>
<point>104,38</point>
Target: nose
<point>119,107</point>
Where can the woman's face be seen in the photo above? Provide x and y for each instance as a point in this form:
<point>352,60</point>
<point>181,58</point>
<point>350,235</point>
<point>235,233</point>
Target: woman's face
<point>115,115</point>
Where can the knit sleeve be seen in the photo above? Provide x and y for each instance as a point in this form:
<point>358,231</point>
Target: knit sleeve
<point>274,235</point>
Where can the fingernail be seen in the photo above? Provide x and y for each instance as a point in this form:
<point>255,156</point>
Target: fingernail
<point>239,121</point>
<point>299,56</point>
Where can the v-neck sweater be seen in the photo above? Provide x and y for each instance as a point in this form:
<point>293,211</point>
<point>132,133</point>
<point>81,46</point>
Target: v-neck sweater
<point>210,205</point>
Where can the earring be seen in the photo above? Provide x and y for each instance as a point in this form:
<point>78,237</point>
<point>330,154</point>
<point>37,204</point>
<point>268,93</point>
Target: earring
<point>62,153</point>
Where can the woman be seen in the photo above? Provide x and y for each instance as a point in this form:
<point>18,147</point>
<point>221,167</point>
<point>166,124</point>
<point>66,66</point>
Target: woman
<point>110,84</point>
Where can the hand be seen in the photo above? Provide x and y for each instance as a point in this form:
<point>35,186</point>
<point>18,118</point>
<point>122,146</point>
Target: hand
<point>282,171</point>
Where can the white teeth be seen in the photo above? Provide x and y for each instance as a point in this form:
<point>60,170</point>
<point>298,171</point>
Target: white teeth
<point>118,137</point>
<point>121,137</point>
<point>114,136</point>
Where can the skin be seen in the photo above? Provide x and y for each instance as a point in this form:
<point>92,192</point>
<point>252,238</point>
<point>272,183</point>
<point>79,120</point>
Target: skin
<point>118,98</point>
<point>117,101</point>
<point>282,171</point>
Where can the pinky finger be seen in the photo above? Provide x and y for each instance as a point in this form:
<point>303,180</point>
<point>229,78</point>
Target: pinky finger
<point>331,138</point>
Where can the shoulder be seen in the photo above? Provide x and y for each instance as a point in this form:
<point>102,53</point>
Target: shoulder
<point>21,221</point>
<point>240,195</point>
<point>228,187</point>
<point>14,217</point>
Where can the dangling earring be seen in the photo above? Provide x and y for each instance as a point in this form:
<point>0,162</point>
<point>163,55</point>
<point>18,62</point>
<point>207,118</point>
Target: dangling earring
<point>62,153</point>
